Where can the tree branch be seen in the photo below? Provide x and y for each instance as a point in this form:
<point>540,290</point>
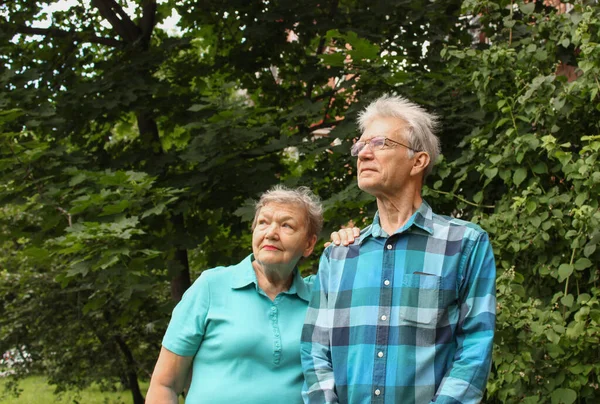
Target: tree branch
<point>148,19</point>
<point>119,19</point>
<point>75,36</point>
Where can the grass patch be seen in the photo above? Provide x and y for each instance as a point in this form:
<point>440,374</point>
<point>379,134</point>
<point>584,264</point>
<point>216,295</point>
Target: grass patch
<point>35,390</point>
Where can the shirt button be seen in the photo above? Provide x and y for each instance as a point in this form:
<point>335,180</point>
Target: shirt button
<point>383,318</point>
<point>377,392</point>
<point>386,282</point>
<point>380,354</point>
<point>273,308</point>
<point>389,246</point>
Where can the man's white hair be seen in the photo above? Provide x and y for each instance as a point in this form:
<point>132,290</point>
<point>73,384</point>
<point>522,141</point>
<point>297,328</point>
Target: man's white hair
<point>420,124</point>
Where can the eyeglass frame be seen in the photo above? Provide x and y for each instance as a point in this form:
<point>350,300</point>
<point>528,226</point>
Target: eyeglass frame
<point>385,139</point>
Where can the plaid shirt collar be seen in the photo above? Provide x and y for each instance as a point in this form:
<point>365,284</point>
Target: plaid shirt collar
<point>247,276</point>
<point>421,219</point>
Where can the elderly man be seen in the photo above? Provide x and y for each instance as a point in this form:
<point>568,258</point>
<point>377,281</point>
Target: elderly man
<point>238,327</point>
<point>407,313</point>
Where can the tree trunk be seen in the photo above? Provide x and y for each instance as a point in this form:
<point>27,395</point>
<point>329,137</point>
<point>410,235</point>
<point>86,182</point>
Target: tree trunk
<point>180,281</point>
<point>132,380</point>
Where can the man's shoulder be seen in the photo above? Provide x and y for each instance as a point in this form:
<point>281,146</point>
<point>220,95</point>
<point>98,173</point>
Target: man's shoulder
<point>450,223</point>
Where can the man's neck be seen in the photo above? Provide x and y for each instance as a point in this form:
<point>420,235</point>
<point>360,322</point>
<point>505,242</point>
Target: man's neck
<point>395,211</point>
<point>273,282</point>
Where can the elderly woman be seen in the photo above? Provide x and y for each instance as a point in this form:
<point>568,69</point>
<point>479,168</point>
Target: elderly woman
<point>238,327</point>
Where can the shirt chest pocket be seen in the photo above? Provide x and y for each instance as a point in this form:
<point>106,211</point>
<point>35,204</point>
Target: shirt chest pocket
<point>419,301</point>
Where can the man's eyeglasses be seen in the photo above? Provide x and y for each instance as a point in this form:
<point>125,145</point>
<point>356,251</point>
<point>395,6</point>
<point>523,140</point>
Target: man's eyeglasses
<point>376,143</point>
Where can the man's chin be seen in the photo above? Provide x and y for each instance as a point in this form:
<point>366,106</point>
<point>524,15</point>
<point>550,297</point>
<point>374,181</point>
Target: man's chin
<point>367,186</point>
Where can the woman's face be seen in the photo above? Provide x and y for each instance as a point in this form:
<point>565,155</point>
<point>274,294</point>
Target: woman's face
<point>280,237</point>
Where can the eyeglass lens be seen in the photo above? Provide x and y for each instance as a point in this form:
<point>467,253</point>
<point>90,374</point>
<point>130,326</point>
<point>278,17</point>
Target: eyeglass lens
<point>376,143</point>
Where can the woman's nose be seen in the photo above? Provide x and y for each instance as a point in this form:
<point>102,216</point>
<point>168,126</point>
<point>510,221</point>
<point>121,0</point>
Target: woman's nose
<point>272,231</point>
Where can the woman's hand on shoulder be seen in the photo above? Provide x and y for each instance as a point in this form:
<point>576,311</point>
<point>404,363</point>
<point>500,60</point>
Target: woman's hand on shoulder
<point>345,236</point>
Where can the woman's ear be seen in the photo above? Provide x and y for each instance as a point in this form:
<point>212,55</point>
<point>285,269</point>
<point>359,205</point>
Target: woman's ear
<point>310,245</point>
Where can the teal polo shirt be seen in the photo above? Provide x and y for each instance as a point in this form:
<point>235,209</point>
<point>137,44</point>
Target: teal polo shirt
<point>246,347</point>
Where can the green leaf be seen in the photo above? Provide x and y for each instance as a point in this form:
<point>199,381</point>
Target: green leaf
<point>540,168</point>
<point>79,268</point>
<point>478,197</point>
<point>536,221</point>
<point>362,49</point>
<point>37,253</point>
<point>495,158</point>
<point>582,263</point>
<point>198,107</point>
<point>567,300</point>
<point>531,206</point>
<point>115,208</point>
<point>589,249</point>
<point>77,179</point>
<point>564,271</point>
<point>157,210</point>
<point>502,122</point>
<point>563,396</point>
<point>108,261</point>
<point>519,176</point>
<point>335,59</point>
<point>541,55</point>
<point>583,298</point>
<point>581,198</point>
<point>595,316</point>
<point>527,8</point>
<point>491,172</point>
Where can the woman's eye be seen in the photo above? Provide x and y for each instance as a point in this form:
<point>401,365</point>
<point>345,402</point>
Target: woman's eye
<point>289,226</point>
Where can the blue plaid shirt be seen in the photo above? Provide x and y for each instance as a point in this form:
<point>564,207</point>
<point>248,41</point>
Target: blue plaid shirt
<point>406,318</point>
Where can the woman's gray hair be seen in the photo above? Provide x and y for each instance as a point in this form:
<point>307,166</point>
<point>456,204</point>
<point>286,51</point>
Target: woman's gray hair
<point>301,196</point>
<point>421,124</point>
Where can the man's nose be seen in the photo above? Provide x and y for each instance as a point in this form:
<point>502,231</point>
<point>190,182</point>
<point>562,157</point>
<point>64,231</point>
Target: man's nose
<point>366,152</point>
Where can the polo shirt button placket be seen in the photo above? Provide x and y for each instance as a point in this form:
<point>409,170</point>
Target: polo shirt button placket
<point>276,336</point>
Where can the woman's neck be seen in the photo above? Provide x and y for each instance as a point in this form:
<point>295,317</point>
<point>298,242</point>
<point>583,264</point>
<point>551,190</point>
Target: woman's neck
<point>273,281</point>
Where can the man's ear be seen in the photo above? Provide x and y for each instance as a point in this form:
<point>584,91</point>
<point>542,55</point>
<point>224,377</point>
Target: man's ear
<point>421,161</point>
<point>310,245</point>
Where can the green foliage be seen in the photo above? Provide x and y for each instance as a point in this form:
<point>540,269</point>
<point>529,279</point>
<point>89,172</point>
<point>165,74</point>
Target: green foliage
<point>535,161</point>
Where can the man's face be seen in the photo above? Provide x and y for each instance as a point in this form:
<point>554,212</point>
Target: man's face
<point>280,237</point>
<point>384,172</point>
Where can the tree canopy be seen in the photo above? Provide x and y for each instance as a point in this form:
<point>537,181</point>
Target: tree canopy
<point>131,153</point>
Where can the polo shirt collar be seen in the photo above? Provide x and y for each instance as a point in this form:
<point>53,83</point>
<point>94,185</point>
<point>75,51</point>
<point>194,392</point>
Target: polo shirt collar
<point>247,276</point>
<point>422,218</point>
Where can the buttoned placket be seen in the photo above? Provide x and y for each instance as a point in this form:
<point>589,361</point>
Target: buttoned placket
<point>274,316</point>
<point>385,303</point>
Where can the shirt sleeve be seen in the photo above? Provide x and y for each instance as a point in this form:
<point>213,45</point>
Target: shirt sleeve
<point>188,321</point>
<point>315,347</point>
<point>466,379</point>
